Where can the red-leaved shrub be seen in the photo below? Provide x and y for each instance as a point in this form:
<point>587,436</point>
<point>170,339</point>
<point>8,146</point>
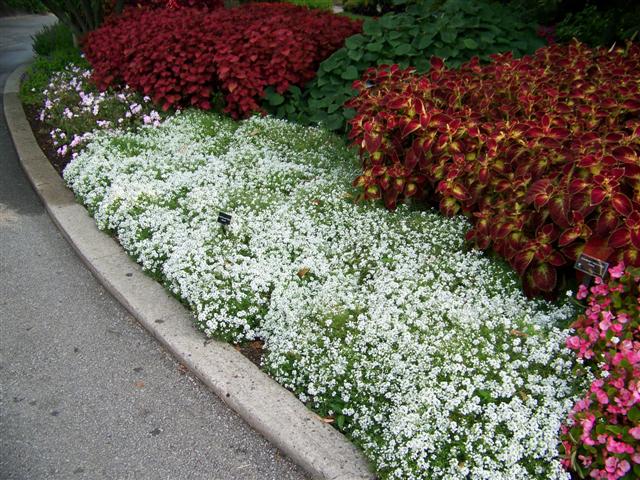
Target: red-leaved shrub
<point>181,57</point>
<point>542,153</point>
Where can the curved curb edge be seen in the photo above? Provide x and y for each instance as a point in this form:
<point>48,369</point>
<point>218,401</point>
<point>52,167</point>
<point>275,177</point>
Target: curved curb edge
<point>269,408</point>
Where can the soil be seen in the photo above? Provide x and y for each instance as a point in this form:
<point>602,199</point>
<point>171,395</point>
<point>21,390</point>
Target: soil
<point>251,350</point>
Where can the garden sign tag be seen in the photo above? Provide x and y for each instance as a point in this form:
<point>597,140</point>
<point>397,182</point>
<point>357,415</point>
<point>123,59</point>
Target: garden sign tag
<point>591,266</point>
<point>224,218</point>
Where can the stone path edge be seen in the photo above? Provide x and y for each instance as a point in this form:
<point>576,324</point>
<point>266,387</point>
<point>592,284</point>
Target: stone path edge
<point>276,413</point>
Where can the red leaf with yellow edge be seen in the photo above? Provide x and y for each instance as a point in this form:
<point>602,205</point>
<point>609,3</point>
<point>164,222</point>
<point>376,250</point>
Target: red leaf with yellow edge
<point>437,63</point>
<point>625,154</point>
<point>522,260</point>
<point>573,251</point>
<point>544,277</point>
<point>372,142</point>
<point>620,238</point>
<point>449,206</point>
<point>378,170</point>
<point>458,192</point>
<point>559,210</point>
<point>577,185</point>
<point>608,220</point>
<point>631,256</point>
<point>410,127</point>
<point>622,204</point>
<point>569,236</point>
<point>411,189</point>
<point>372,192</point>
<point>597,196</point>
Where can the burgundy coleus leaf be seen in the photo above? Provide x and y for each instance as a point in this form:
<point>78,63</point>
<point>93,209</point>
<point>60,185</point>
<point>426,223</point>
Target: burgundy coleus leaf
<point>410,189</point>
<point>385,182</point>
<point>372,142</point>
<point>390,198</point>
<point>437,63</point>
<point>598,195</point>
<point>540,193</point>
<point>547,233</point>
<point>578,185</point>
<point>449,206</point>
<point>622,204</point>
<point>559,210</point>
<point>410,128</point>
<point>581,202</point>
<point>627,234</point>
<point>543,277</point>
<point>607,222</point>
<point>573,250</point>
<point>631,256</point>
<point>626,154</point>
<point>632,105</point>
<point>521,261</point>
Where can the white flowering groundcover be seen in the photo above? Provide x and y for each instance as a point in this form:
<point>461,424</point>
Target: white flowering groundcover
<point>427,355</point>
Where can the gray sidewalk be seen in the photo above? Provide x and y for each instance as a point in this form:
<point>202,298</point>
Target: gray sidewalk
<point>84,391</point>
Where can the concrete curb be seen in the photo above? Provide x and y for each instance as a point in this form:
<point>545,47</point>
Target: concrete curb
<point>269,408</point>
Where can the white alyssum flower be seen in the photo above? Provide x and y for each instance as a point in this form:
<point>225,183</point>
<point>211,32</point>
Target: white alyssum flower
<point>426,353</point>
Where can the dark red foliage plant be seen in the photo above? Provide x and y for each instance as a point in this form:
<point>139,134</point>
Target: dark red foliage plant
<point>541,153</point>
<point>184,56</point>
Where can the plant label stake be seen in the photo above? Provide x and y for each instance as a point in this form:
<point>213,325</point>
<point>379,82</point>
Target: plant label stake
<point>224,219</point>
<point>592,266</point>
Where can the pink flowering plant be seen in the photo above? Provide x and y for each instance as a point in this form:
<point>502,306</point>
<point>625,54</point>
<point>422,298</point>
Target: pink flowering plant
<point>75,109</point>
<point>601,439</point>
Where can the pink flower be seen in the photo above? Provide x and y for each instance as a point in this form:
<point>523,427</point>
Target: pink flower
<point>574,342</point>
<point>635,433</point>
<point>617,271</point>
<point>618,447</point>
<point>582,292</point>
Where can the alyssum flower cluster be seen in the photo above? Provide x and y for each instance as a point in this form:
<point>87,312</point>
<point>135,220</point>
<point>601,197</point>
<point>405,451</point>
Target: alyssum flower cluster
<point>428,355</point>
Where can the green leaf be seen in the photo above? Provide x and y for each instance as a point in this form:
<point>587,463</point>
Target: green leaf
<point>372,27</point>
<point>423,41</point>
<point>389,21</point>
<point>634,414</point>
<point>350,73</point>
<point>355,55</point>
<point>470,43</point>
<point>448,35</point>
<point>375,47</point>
<point>340,421</point>
<point>402,49</point>
<point>334,122</point>
<point>354,41</point>
<point>274,99</point>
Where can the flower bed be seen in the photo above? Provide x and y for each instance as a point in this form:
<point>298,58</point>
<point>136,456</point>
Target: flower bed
<point>427,355</point>
<point>182,57</point>
<point>602,437</point>
<point>542,153</point>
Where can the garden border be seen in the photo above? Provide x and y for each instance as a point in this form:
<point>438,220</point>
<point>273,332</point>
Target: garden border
<point>274,412</point>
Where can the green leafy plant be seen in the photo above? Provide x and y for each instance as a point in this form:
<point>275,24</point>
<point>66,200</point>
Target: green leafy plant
<point>39,74</point>
<point>455,30</point>
<point>375,7</point>
<point>324,4</point>
<point>57,37</point>
<point>597,26</point>
<point>26,6</point>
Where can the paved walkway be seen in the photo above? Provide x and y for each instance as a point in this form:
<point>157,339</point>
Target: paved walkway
<point>84,391</point>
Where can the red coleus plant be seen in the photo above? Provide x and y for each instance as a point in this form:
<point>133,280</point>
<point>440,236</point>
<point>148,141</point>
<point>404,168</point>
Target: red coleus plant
<point>542,153</point>
<point>601,439</point>
<point>184,56</point>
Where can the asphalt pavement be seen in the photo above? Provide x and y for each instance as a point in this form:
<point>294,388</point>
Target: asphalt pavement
<point>85,392</point>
